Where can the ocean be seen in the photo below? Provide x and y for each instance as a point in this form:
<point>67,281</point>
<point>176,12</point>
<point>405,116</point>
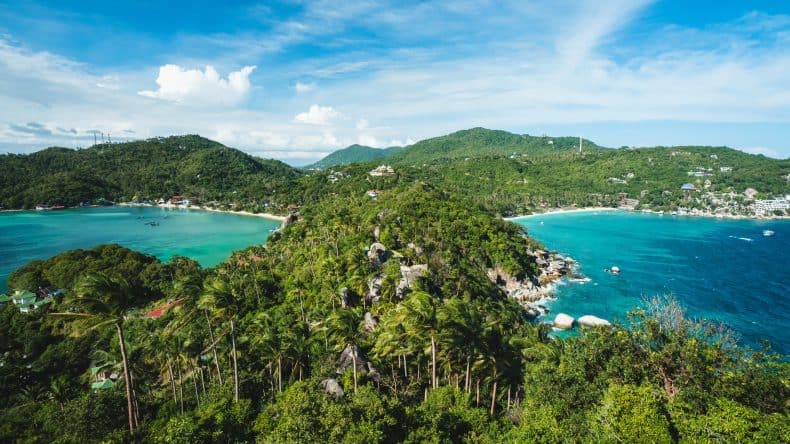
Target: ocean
<point>208,237</point>
<point>720,270</point>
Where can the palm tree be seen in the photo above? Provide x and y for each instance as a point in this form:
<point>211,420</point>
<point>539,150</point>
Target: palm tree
<point>343,330</point>
<point>101,301</point>
<point>220,298</point>
<point>418,315</point>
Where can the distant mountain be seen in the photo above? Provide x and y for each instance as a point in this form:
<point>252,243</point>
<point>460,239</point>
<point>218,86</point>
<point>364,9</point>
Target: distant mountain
<point>161,167</point>
<point>477,142</point>
<point>354,154</point>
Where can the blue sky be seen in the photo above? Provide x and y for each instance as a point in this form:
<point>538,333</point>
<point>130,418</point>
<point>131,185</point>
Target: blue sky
<point>294,80</point>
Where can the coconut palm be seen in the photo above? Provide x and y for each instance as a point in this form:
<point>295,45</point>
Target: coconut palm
<point>343,330</point>
<point>221,299</point>
<point>418,315</point>
<point>100,301</point>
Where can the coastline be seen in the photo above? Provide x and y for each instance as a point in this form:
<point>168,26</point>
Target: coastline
<point>202,208</point>
<point>658,213</point>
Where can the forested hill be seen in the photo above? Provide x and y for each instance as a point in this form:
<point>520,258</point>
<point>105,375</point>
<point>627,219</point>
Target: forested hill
<point>353,154</point>
<point>480,142</point>
<point>368,320</point>
<point>191,166</point>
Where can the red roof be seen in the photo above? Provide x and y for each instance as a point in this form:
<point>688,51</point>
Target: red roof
<point>160,310</point>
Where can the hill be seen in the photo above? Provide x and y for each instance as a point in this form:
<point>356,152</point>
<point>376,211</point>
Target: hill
<point>353,154</point>
<point>477,142</point>
<point>156,168</point>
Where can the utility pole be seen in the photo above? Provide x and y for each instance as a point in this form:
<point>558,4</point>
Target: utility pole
<point>580,144</point>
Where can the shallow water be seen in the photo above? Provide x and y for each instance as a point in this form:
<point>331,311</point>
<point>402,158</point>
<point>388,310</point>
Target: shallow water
<point>721,270</point>
<point>207,237</point>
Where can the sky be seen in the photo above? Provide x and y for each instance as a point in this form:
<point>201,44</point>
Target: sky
<point>295,80</point>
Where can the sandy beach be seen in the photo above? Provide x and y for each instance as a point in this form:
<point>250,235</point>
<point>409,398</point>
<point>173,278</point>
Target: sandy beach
<point>214,210</point>
<point>567,210</point>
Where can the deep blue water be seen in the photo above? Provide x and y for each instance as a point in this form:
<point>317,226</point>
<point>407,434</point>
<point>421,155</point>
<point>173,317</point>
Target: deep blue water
<point>207,237</point>
<point>720,270</point>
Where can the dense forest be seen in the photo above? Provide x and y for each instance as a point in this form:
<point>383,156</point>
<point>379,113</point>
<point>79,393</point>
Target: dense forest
<point>156,168</point>
<point>508,173</point>
<point>365,320</point>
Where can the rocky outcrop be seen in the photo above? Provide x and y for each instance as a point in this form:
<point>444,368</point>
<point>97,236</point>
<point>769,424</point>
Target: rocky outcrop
<point>346,360</point>
<point>374,288</point>
<point>378,254</point>
<point>291,218</point>
<point>374,374</point>
<point>347,298</point>
<point>563,321</point>
<point>332,387</point>
<point>526,289</point>
<point>369,322</point>
<point>593,321</point>
<point>409,276</point>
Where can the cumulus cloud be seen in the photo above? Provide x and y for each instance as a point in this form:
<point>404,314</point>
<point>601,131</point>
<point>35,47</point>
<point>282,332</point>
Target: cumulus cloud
<point>304,87</point>
<point>177,84</point>
<point>317,115</point>
<point>765,151</point>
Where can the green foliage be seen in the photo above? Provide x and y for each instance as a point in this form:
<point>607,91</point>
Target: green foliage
<point>631,414</point>
<point>156,168</point>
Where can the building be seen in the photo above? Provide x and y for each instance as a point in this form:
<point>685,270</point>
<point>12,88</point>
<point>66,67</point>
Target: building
<point>688,187</point>
<point>725,169</point>
<point>373,193</point>
<point>382,170</point>
<point>762,207</point>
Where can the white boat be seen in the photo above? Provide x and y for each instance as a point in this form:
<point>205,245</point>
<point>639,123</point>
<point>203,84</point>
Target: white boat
<point>768,233</point>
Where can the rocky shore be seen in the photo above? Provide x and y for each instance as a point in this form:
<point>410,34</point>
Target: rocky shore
<point>530,291</point>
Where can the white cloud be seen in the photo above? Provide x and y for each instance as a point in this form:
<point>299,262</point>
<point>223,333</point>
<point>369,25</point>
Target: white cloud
<point>770,152</point>
<point>194,86</point>
<point>304,87</point>
<point>362,124</point>
<point>317,115</point>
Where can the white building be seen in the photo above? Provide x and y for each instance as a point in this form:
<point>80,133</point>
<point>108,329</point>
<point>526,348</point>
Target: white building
<point>382,170</point>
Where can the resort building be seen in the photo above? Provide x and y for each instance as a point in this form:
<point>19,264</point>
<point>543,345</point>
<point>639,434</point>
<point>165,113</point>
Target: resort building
<point>382,170</point>
<point>762,207</point>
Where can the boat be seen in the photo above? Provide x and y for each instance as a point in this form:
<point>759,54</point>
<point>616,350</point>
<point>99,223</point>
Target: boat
<point>41,207</point>
<point>768,233</point>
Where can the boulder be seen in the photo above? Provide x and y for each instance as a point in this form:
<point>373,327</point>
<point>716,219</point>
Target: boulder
<point>374,288</point>
<point>593,321</point>
<point>378,254</point>
<point>409,276</point>
<point>563,321</point>
<point>332,387</point>
<point>374,374</point>
<point>376,232</point>
<point>346,360</point>
<point>347,298</point>
<point>369,323</point>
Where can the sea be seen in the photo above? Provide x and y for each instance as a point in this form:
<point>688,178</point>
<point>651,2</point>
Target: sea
<point>208,237</point>
<point>721,270</point>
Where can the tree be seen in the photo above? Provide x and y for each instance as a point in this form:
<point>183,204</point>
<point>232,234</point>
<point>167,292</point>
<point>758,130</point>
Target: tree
<point>343,330</point>
<point>221,298</point>
<point>101,301</point>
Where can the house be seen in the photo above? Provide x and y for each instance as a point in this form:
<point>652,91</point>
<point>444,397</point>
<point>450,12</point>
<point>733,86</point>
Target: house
<point>373,193</point>
<point>23,297</point>
<point>688,187</point>
<point>725,169</point>
<point>102,380</point>
<point>293,208</point>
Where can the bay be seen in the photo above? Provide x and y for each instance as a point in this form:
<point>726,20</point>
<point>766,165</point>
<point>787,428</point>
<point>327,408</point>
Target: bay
<point>208,237</point>
<point>720,270</point>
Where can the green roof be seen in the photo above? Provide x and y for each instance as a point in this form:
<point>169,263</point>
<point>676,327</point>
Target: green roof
<point>42,302</point>
<point>4,298</point>
<point>106,384</point>
<point>24,294</point>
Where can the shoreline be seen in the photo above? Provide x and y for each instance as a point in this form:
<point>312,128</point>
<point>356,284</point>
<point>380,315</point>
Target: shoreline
<point>657,213</point>
<point>168,206</point>
<point>202,208</point>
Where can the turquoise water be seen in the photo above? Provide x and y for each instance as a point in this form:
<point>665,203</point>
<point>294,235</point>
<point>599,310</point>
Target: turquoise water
<point>204,236</point>
<point>721,270</point>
